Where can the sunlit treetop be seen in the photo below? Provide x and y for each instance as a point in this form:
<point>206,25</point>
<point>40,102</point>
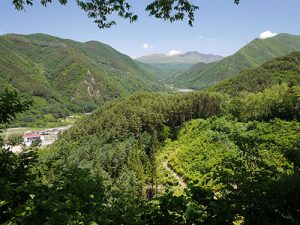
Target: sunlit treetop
<point>100,10</point>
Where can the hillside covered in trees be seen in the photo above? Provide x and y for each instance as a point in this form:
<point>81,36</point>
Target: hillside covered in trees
<point>91,136</point>
<point>65,76</point>
<point>228,155</point>
<point>238,157</point>
<point>280,70</point>
<point>252,55</point>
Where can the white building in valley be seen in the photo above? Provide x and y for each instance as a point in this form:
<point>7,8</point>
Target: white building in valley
<point>29,138</point>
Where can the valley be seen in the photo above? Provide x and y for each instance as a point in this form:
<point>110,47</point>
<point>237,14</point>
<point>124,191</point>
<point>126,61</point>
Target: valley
<point>168,67</point>
<point>185,139</point>
<point>87,75</point>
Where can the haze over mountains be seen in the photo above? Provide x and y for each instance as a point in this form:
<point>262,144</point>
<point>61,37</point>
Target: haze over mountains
<point>188,57</point>
<point>253,54</point>
<point>168,66</point>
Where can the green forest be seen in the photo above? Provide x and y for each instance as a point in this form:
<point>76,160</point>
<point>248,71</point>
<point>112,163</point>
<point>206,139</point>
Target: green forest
<point>254,54</point>
<point>227,155</point>
<point>66,77</point>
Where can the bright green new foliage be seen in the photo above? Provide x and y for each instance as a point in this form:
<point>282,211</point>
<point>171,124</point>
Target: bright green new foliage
<point>162,158</point>
<point>252,55</point>
<point>277,71</point>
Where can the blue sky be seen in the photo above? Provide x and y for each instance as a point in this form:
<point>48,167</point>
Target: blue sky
<point>220,27</point>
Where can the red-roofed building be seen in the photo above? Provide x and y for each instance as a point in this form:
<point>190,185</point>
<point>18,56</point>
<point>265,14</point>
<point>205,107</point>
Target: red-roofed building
<point>29,138</point>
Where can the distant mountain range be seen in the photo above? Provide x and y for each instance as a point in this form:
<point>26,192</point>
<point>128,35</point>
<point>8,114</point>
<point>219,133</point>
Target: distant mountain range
<point>170,66</point>
<point>73,75</point>
<point>65,76</point>
<point>253,54</point>
<point>188,57</point>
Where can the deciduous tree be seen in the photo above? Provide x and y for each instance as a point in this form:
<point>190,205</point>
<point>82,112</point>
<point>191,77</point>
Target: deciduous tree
<point>99,10</point>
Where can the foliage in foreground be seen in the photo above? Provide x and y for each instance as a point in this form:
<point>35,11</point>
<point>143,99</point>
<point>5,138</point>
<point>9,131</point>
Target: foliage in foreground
<point>236,170</point>
<point>104,170</point>
<point>33,194</point>
<point>239,173</point>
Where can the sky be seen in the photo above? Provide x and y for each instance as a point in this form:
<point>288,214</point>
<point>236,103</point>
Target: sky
<point>220,26</point>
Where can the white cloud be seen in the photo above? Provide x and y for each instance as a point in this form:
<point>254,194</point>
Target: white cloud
<point>267,34</point>
<point>147,46</point>
<point>200,36</point>
<point>174,52</point>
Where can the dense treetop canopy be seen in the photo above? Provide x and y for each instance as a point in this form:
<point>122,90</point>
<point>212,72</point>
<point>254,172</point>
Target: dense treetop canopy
<point>12,103</point>
<point>204,157</point>
<point>170,10</point>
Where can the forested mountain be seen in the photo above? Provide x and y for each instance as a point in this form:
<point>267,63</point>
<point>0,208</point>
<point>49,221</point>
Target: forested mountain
<point>69,75</point>
<point>276,71</point>
<point>238,163</point>
<point>149,159</point>
<point>171,66</point>
<point>228,155</point>
<point>252,55</point>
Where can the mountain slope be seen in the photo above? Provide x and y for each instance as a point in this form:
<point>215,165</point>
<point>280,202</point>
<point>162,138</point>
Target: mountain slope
<point>81,75</point>
<point>276,71</point>
<point>254,54</point>
<point>18,71</point>
<point>168,67</point>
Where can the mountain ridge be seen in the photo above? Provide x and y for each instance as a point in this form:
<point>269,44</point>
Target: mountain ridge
<point>187,57</point>
<point>72,75</point>
<point>169,67</point>
<point>276,71</point>
<point>253,54</point>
